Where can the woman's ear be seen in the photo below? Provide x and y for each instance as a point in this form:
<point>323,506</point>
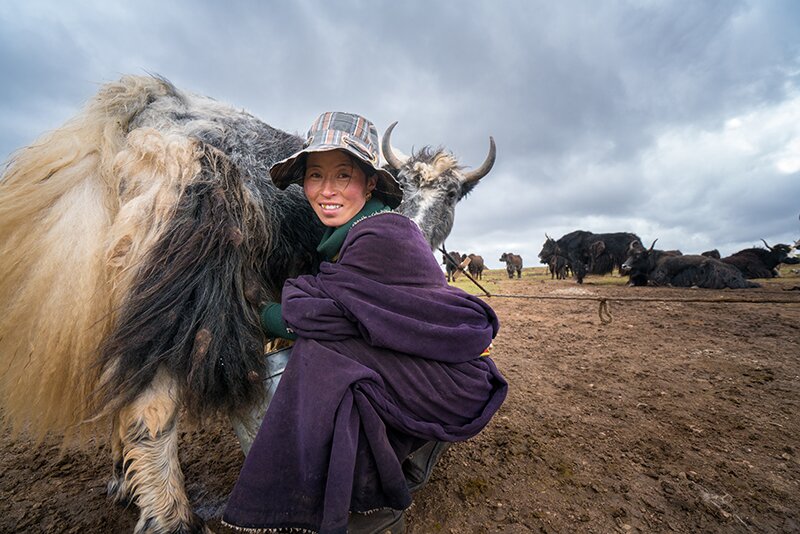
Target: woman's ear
<point>372,181</point>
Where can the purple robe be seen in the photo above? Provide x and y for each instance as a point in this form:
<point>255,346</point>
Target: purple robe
<point>387,358</point>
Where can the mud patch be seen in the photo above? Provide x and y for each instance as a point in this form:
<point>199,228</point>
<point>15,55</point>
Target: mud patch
<point>676,417</point>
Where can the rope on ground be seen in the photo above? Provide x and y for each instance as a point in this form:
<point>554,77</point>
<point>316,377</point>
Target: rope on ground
<point>604,310</point>
<point>655,299</point>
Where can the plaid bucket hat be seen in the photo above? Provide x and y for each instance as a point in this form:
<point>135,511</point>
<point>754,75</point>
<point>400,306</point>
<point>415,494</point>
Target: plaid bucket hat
<point>334,130</point>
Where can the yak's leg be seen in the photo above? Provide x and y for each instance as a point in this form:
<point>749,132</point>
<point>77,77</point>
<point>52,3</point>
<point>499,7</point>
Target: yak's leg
<point>117,488</point>
<point>148,428</point>
<point>579,268</point>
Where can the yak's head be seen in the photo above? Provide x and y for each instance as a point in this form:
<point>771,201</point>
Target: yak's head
<point>639,258</point>
<point>549,249</point>
<point>433,182</point>
<point>639,263</point>
<point>780,253</point>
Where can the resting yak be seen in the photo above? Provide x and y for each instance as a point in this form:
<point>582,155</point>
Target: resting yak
<point>666,268</point>
<point>136,243</point>
<point>759,263</point>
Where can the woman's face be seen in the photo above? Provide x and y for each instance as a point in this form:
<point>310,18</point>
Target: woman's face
<point>335,186</point>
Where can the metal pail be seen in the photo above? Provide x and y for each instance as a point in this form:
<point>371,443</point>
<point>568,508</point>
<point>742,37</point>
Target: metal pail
<point>247,427</point>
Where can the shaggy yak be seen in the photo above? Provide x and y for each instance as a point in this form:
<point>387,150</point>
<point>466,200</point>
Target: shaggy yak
<point>759,263</point>
<point>452,264</point>
<point>137,243</point>
<point>589,253</point>
<point>670,268</point>
<point>513,264</point>
<point>558,267</point>
<point>475,266</point>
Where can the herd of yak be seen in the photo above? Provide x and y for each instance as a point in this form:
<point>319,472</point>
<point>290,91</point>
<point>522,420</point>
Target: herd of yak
<point>474,264</point>
<point>581,253</point>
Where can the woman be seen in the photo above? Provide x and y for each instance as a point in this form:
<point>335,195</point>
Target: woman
<point>386,360</point>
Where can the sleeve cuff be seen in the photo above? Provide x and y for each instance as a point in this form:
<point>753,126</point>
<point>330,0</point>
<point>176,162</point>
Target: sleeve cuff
<point>272,322</point>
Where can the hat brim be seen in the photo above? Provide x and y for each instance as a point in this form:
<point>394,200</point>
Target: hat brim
<point>290,171</point>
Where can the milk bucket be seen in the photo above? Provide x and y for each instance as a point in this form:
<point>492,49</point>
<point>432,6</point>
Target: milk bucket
<point>247,427</point>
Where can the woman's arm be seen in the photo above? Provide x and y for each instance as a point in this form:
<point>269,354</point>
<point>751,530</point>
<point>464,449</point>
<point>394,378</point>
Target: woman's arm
<point>272,322</point>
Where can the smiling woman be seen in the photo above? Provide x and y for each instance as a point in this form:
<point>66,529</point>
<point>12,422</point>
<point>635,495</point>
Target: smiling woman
<point>336,186</point>
<point>386,369</point>
<point>337,147</point>
<point>159,205</point>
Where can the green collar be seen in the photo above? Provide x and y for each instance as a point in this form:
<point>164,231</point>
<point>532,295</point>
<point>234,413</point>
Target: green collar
<point>333,238</point>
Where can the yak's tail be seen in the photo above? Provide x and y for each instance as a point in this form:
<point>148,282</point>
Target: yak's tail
<point>78,209</point>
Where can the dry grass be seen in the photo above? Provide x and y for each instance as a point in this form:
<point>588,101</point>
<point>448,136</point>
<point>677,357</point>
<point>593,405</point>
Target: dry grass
<point>492,277</point>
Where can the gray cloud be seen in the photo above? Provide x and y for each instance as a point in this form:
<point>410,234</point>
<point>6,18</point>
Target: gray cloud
<point>676,120</point>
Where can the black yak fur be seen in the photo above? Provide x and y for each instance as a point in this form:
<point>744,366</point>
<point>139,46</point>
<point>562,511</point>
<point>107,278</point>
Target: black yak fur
<point>589,253</point>
<point>558,266</point>
<point>232,241</point>
<point>192,307</point>
<point>665,268</point>
<point>757,262</point>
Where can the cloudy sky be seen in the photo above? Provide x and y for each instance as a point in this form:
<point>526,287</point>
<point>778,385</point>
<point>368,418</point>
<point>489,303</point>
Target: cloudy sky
<point>676,120</point>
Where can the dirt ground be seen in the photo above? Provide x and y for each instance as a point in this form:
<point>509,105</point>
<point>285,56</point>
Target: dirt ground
<point>675,417</point>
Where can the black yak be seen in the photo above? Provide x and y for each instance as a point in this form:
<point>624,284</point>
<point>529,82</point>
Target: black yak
<point>759,263</point>
<point>665,268</point>
<point>558,266</point>
<point>589,253</point>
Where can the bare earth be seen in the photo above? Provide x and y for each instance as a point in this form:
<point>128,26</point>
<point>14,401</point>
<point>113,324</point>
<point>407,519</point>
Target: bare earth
<point>675,417</point>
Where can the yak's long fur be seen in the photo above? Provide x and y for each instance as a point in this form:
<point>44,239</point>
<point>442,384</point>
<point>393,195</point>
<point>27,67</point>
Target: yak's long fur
<point>760,263</point>
<point>699,271</point>
<point>152,207</point>
<point>187,309</point>
<point>58,221</point>
<point>666,268</point>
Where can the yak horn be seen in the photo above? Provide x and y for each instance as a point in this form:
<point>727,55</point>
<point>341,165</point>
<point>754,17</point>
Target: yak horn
<point>386,145</point>
<point>651,246</point>
<point>769,247</point>
<point>483,170</point>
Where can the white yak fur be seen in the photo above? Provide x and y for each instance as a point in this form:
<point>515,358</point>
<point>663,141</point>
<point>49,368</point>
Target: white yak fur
<point>72,206</point>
